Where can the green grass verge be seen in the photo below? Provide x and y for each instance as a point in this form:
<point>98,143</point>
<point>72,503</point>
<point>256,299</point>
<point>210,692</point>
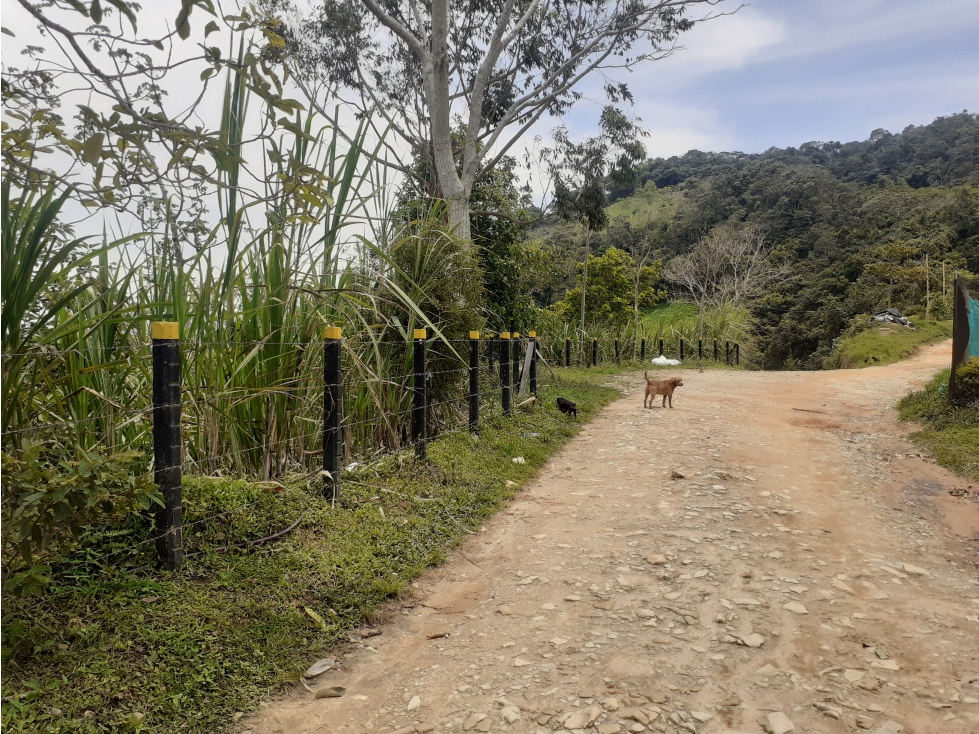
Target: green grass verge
<point>884,344</point>
<point>111,647</point>
<point>951,432</point>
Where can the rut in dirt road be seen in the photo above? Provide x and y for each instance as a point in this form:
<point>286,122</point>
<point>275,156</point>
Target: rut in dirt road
<point>770,555</point>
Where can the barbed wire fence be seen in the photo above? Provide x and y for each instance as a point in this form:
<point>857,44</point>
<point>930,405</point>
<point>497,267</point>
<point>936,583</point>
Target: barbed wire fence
<point>500,374</point>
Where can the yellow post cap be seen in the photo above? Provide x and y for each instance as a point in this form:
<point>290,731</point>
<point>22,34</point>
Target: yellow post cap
<point>532,334</point>
<point>567,338</point>
<point>165,330</point>
<point>594,338</point>
<point>474,335</point>
<point>516,335</point>
<point>504,335</point>
<point>420,334</point>
<point>333,332</point>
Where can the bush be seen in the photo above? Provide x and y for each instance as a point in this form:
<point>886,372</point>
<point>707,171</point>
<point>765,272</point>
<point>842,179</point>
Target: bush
<point>48,499</point>
<point>967,381</point>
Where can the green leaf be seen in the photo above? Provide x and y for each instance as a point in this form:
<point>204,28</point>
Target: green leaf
<point>183,22</point>
<point>211,28</point>
<point>92,149</point>
<point>7,31</point>
<point>96,11</point>
<point>121,6</point>
<point>208,73</point>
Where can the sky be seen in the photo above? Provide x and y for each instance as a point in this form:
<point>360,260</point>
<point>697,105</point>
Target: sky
<point>773,73</point>
<point>784,72</point>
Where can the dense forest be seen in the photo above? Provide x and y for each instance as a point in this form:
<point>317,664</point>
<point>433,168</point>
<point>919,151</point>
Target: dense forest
<point>850,226</point>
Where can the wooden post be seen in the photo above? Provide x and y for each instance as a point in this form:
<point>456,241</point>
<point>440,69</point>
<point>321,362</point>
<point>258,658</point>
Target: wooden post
<point>727,352</point>
<point>474,382</point>
<point>737,354</point>
<point>505,372</point>
<point>490,345</point>
<point>166,442</point>
<point>332,412</point>
<point>419,407</point>
<point>515,358</point>
<point>715,350</point>
<point>681,349</point>
<point>533,362</point>
<point>642,350</point>
<point>661,347</point>
<point>567,351</point>
<point>700,349</point>
<point>617,358</point>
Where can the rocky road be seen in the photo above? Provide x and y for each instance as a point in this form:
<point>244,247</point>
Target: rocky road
<point>770,555</point>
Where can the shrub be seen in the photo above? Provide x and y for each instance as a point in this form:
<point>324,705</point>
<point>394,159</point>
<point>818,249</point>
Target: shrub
<point>967,381</point>
<point>48,499</point>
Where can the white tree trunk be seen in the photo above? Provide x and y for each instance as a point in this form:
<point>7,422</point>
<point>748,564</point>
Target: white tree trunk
<point>459,217</point>
<point>584,290</point>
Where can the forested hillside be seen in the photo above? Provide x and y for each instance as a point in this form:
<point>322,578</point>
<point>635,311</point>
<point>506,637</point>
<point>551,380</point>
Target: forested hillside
<point>849,226</point>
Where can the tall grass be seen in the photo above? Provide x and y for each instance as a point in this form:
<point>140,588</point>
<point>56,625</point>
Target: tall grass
<point>285,258</point>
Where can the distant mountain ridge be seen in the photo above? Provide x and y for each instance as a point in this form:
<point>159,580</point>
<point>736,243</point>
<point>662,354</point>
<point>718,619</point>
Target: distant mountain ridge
<point>944,152</point>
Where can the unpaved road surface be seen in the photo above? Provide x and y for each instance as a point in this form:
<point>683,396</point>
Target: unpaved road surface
<point>808,571</point>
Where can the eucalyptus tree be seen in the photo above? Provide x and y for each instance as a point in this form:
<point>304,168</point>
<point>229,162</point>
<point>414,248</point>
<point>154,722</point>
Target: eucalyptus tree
<point>496,66</point>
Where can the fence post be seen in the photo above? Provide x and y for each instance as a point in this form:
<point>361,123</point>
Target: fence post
<point>661,347</point>
<point>533,362</point>
<point>594,351</point>
<point>617,358</point>
<point>681,349</point>
<point>489,349</point>
<point>474,382</point>
<point>515,360</point>
<point>737,354</point>
<point>642,351</point>
<point>166,442</point>
<point>419,407</point>
<point>332,412</point>
<point>727,352</point>
<point>505,372</point>
<point>700,349</point>
<point>715,350</point>
<point>567,351</point>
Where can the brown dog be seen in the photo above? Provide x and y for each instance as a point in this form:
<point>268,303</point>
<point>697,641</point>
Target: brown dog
<point>660,387</point>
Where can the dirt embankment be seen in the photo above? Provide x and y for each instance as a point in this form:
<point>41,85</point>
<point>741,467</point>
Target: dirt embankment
<point>808,570</point>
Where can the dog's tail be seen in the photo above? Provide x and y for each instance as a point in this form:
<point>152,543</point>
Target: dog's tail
<point>646,375</point>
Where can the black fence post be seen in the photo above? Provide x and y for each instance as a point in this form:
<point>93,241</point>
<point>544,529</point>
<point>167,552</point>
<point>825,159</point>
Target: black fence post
<point>642,350</point>
<point>490,345</point>
<point>474,382</point>
<point>700,349</point>
<point>715,350</point>
<point>567,351</point>
<point>737,354</point>
<point>617,357</point>
<point>505,372</point>
<point>166,442</point>
<point>594,351</point>
<point>727,352</point>
<point>419,407</point>
<point>681,350</point>
<point>516,360</point>
<point>661,347</point>
<point>533,362</point>
<point>332,412</point>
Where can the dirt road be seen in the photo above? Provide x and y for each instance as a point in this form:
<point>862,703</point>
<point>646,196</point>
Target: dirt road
<point>807,570</point>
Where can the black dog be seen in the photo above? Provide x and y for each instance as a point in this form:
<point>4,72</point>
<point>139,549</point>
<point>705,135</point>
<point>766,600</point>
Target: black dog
<point>567,407</point>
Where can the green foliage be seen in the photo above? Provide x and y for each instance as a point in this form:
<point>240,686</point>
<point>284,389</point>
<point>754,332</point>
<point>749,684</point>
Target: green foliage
<point>967,381</point>
<point>951,431</point>
<point>880,344</point>
<point>48,498</point>
<point>188,649</point>
<point>612,290</point>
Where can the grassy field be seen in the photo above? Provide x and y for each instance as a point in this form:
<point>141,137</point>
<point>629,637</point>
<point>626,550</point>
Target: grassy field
<point>116,647</point>
<point>887,343</point>
<point>951,432</point>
